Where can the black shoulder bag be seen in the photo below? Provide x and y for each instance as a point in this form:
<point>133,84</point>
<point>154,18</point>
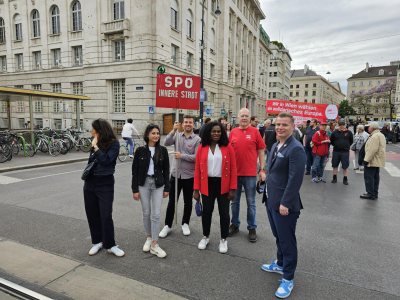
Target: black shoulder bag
<point>88,170</point>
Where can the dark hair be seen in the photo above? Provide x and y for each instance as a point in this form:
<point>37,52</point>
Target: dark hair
<point>188,117</point>
<point>207,120</point>
<point>105,132</point>
<point>149,128</point>
<point>222,118</point>
<point>206,137</point>
<point>253,118</point>
<point>129,120</point>
<point>287,115</point>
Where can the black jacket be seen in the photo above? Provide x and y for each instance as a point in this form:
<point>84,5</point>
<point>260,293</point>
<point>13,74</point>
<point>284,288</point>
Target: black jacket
<point>270,136</point>
<point>106,160</point>
<point>341,140</point>
<point>141,163</point>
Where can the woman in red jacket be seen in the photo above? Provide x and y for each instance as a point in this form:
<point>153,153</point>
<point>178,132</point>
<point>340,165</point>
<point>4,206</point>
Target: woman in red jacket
<point>215,177</point>
<point>320,151</point>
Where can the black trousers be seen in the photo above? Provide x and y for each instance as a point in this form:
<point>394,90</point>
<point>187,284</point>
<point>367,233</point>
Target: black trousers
<point>98,193</point>
<point>371,180</point>
<point>214,192</point>
<point>187,186</point>
<point>284,230</point>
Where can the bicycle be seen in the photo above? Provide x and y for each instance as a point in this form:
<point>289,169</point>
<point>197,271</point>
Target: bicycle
<point>124,148</point>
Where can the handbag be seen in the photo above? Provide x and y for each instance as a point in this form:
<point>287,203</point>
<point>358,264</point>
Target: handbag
<point>353,147</point>
<point>199,208</point>
<point>88,170</point>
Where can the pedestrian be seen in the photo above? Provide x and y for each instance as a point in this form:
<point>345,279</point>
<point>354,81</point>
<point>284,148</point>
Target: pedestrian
<point>375,157</point>
<point>310,131</point>
<point>270,137</point>
<point>320,152</point>
<point>395,133</point>
<point>98,190</point>
<point>223,121</point>
<point>359,139</point>
<point>228,128</point>
<point>206,120</point>
<point>265,126</point>
<point>185,155</point>
<point>215,177</point>
<point>254,121</point>
<point>248,145</point>
<point>282,199</point>
<point>127,134</point>
<point>341,140</point>
<point>150,184</point>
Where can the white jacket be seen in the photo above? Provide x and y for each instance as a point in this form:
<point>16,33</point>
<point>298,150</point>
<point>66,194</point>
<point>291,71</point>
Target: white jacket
<point>128,130</point>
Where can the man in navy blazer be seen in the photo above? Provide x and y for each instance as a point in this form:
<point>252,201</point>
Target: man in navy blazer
<point>286,166</point>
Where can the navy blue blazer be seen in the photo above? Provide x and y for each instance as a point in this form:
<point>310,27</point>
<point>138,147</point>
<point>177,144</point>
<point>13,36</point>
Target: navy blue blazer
<point>285,172</point>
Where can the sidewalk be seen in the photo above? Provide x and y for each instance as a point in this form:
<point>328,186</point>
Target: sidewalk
<point>71,278</point>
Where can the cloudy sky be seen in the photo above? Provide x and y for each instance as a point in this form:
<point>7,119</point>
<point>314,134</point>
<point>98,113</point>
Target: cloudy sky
<point>338,36</point>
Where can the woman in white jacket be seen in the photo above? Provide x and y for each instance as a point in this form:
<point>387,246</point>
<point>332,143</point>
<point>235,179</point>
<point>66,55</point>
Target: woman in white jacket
<point>359,139</point>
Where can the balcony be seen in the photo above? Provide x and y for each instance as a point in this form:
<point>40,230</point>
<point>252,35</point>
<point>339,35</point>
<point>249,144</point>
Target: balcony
<point>115,27</point>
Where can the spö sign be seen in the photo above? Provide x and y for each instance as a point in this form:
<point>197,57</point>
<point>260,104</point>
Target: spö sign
<point>178,91</point>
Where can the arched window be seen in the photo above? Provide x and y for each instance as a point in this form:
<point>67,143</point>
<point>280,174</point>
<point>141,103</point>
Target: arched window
<point>76,16</point>
<point>18,27</point>
<point>35,23</point>
<point>174,14</point>
<point>2,31</point>
<point>118,9</point>
<point>55,19</point>
<point>189,24</point>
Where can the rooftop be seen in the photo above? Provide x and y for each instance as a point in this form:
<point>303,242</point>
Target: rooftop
<point>301,73</point>
<point>369,72</point>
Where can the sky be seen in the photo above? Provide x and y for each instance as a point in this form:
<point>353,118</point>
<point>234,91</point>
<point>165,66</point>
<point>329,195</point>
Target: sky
<point>338,36</point>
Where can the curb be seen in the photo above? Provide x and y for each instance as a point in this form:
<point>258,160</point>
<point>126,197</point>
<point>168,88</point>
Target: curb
<point>46,164</point>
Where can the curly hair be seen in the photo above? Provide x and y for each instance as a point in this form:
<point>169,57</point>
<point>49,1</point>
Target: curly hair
<point>149,128</point>
<point>105,133</point>
<point>206,137</point>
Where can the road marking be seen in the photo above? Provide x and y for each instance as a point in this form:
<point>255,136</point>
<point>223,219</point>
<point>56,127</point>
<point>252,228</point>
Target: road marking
<point>8,180</point>
<point>392,169</point>
<point>50,175</point>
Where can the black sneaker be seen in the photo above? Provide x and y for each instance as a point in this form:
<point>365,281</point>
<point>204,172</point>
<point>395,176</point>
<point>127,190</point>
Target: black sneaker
<point>345,181</point>
<point>233,229</point>
<point>307,173</point>
<point>334,180</point>
<point>252,236</point>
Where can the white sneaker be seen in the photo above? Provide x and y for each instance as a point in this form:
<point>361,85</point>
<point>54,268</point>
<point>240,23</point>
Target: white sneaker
<point>95,248</point>
<point>156,250</point>
<point>185,229</point>
<point>203,243</point>
<point>131,156</point>
<point>223,246</point>
<point>116,251</point>
<point>165,231</point>
<point>147,244</point>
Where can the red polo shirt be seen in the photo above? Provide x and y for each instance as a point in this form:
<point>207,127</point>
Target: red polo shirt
<point>246,143</point>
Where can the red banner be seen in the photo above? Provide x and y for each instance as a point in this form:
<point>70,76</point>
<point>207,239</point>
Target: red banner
<point>303,111</point>
<point>178,91</point>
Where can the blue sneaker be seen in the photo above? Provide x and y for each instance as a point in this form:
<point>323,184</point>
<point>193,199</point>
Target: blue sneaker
<point>285,289</point>
<point>272,268</point>
<point>315,180</point>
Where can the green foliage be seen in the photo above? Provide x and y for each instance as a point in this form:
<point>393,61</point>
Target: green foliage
<point>345,109</point>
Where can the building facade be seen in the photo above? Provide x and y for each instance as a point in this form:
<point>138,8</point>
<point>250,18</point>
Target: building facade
<point>307,86</point>
<point>109,50</point>
<point>368,79</point>
<point>279,72</point>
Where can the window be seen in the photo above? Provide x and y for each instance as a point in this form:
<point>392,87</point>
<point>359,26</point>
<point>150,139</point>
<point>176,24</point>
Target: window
<point>306,85</point>
<point>118,95</point>
<point>2,31</point>
<point>119,50</point>
<point>306,93</point>
<point>274,95</point>
<point>291,86</point>
<point>362,83</point>
<point>314,93</point>
<point>77,89</point>
<point>19,62</point>
<point>3,63</point>
<point>36,87</point>
<point>55,19</point>
<point>37,60</point>
<point>213,6</point>
<point>314,85</point>
<point>20,106</point>
<point>56,55</point>
<point>38,123</point>
<point>18,27</point>
<point>212,71</point>
<point>313,100</point>
<point>174,14</point>
<point>174,54</point>
<point>38,106</point>
<point>189,25</point>
<point>297,86</point>
<point>57,106</point>
<point>212,41</point>
<point>117,126</point>
<point>305,100</point>
<point>56,87</point>
<point>297,94</point>
<point>291,94</point>
<point>35,23</point>
<point>76,16</point>
<point>77,55</point>
<point>4,106</point>
<point>189,62</point>
<point>381,72</point>
<point>119,9</point>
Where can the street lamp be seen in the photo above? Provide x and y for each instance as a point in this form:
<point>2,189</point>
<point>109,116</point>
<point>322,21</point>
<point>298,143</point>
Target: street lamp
<point>217,12</point>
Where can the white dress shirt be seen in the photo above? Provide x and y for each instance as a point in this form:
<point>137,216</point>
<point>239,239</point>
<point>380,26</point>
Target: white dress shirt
<point>151,166</point>
<point>214,162</point>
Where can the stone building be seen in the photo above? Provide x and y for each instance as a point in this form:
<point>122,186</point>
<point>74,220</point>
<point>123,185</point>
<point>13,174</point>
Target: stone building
<point>279,72</point>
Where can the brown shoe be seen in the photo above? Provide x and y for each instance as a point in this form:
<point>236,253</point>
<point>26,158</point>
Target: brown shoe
<point>233,229</point>
<point>252,236</point>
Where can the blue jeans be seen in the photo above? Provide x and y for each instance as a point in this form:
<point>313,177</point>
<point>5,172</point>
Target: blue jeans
<point>310,158</point>
<point>317,169</point>
<point>249,184</point>
<point>129,141</point>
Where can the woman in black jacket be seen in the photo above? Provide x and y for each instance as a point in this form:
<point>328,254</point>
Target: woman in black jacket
<point>150,184</point>
<point>98,190</point>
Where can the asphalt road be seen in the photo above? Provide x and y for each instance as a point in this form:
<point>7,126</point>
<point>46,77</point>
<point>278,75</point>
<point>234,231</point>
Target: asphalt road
<point>349,248</point>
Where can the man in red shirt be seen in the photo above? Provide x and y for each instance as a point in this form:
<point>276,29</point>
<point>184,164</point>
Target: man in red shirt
<point>320,151</point>
<point>248,145</point>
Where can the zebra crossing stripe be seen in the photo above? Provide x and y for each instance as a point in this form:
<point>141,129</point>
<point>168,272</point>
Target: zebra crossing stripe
<point>8,180</point>
<point>392,169</point>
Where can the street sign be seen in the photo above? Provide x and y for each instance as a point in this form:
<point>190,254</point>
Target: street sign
<point>208,111</point>
<point>223,111</point>
<point>161,69</point>
<point>151,109</point>
<point>203,95</point>
<point>178,91</point>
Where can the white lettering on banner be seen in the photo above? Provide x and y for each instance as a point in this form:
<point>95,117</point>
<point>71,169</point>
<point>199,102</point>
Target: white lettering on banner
<point>189,95</point>
<point>177,81</point>
<point>168,93</point>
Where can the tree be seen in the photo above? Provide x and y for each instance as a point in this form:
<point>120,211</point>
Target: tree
<point>345,109</point>
<point>362,103</point>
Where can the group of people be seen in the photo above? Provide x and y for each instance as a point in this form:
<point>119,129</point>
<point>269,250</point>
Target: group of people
<point>213,168</point>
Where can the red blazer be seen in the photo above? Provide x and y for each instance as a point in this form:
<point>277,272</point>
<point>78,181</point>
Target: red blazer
<point>228,170</point>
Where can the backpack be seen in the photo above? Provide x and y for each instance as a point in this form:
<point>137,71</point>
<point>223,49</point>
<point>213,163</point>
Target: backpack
<point>361,153</point>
